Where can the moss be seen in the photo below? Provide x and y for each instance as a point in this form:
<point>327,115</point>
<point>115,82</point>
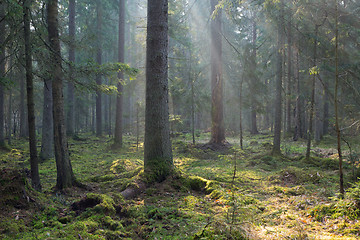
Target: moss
<point>12,227</point>
<point>296,191</point>
<point>106,203</point>
<point>157,170</point>
<point>111,224</point>
<point>197,183</point>
<point>297,176</point>
<point>114,235</point>
<point>103,178</point>
<point>215,194</point>
<point>87,226</point>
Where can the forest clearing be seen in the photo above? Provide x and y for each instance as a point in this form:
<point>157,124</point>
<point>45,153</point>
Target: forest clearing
<point>270,197</point>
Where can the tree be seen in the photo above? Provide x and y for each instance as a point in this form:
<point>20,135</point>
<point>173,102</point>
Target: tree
<point>119,96</point>
<point>217,109</point>
<point>98,61</point>
<point>337,128</point>
<point>157,147</point>
<point>278,83</point>
<point>2,71</point>
<point>47,134</point>
<point>30,97</point>
<point>253,81</point>
<point>70,87</point>
<point>65,176</point>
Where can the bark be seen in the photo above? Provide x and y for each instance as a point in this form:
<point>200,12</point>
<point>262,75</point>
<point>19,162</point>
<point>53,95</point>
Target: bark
<point>119,98</point>
<point>217,109</point>
<point>22,112</point>
<point>240,115</point>
<point>65,176</point>
<point>253,83</point>
<point>9,116</point>
<point>30,98</point>
<point>318,111</point>
<point>99,62</point>
<point>298,109</point>
<point>278,85</point>
<point>337,128</point>
<point>158,161</point>
<point>289,85</point>
<point>47,140</point>
<point>326,110</point>
<point>312,103</point>
<point>2,71</point>
<point>70,118</point>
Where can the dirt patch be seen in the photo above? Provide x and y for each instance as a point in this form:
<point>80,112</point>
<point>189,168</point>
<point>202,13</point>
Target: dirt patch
<point>217,147</point>
<point>83,204</point>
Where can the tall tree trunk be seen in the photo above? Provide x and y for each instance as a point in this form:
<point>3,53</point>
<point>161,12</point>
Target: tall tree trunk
<point>217,108</point>
<point>119,98</point>
<point>312,103</point>
<point>30,98</point>
<point>158,160</point>
<point>318,112</point>
<point>298,109</point>
<point>70,120</point>
<point>326,110</point>
<point>337,128</point>
<point>47,140</point>
<point>22,112</point>
<point>254,129</point>
<point>65,176</point>
<point>289,84</point>
<point>2,71</point>
<point>9,117</point>
<point>240,114</point>
<point>278,84</point>
<point>99,62</point>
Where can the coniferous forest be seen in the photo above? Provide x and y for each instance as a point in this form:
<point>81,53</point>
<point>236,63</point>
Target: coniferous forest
<point>179,119</point>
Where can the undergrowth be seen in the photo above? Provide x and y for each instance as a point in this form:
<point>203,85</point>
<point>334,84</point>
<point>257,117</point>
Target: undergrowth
<point>232,194</point>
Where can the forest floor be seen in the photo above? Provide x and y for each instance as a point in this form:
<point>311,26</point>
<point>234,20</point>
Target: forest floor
<point>233,194</point>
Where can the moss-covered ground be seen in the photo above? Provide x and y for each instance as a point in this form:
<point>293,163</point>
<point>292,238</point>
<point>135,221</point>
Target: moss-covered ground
<point>232,194</point>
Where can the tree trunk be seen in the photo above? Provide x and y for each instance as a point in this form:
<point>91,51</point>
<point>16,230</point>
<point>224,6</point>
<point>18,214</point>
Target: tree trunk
<point>30,98</point>
<point>9,117</point>
<point>240,114</point>
<point>254,129</point>
<point>119,98</point>
<point>47,140</point>
<point>22,112</point>
<point>312,103</point>
<point>337,128</point>
<point>326,110</point>
<point>217,109</point>
<point>70,86</point>
<point>158,162</point>
<point>65,176</point>
<point>99,62</point>
<point>278,84</point>
<point>2,71</point>
<point>298,109</point>
<point>289,85</point>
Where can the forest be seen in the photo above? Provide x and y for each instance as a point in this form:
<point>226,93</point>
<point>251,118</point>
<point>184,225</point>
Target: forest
<point>180,119</point>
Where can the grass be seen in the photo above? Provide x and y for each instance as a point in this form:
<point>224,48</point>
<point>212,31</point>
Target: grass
<point>283,197</point>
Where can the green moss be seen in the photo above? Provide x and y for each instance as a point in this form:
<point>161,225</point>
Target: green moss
<point>111,224</point>
<point>197,183</point>
<point>11,227</point>
<point>103,178</point>
<point>215,194</point>
<point>106,205</point>
<point>157,170</point>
